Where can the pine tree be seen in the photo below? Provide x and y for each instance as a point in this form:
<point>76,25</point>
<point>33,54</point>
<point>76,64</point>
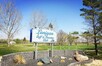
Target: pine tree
<point>91,14</point>
<point>50,26</point>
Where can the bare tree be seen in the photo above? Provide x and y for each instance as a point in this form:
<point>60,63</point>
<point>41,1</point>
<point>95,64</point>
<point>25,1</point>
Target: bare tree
<point>38,20</point>
<point>9,19</point>
<point>61,37</point>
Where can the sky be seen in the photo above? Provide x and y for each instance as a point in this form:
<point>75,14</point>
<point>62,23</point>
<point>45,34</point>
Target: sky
<point>64,14</point>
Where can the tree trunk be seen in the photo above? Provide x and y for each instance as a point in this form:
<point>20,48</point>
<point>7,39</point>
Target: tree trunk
<point>95,41</point>
<point>70,44</point>
<point>8,40</point>
<point>87,42</point>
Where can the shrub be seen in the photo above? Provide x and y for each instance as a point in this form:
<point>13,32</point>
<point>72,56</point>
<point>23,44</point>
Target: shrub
<point>19,59</point>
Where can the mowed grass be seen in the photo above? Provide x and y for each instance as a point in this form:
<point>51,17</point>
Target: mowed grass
<point>74,47</point>
<point>4,49</point>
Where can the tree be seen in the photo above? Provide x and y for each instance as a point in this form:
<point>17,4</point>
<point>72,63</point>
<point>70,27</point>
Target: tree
<point>61,37</point>
<point>91,14</point>
<point>87,36</point>
<point>24,40</point>
<point>70,39</point>
<point>38,20</point>
<point>9,19</point>
<point>75,35</point>
<point>18,41</point>
<point>100,22</point>
<point>50,26</point>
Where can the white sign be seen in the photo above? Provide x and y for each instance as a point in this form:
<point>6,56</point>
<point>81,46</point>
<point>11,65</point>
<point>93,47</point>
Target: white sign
<point>44,35</point>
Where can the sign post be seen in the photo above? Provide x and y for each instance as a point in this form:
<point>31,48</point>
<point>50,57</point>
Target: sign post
<point>36,51</point>
<point>51,49</point>
<point>43,36</point>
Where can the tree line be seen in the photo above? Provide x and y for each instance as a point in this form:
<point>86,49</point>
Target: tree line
<point>15,41</point>
<point>75,38</point>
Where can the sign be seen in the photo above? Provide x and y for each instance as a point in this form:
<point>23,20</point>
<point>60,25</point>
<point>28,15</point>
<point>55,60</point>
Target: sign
<point>43,35</point>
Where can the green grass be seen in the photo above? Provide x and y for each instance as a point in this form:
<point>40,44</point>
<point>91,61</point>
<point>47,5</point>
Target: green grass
<point>4,49</point>
<point>74,47</point>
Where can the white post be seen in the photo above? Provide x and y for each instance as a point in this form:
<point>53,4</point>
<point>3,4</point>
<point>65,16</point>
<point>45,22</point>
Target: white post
<point>36,50</point>
<point>52,49</point>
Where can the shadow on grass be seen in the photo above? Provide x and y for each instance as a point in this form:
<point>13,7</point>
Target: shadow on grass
<point>91,53</point>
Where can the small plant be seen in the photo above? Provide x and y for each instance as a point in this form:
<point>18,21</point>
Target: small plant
<point>19,59</point>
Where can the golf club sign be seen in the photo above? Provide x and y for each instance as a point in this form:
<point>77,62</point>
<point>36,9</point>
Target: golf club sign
<point>43,36</point>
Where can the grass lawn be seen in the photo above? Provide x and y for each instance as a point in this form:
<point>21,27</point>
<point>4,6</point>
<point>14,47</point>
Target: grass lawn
<point>4,49</point>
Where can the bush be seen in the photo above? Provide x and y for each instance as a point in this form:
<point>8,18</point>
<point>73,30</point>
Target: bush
<point>18,41</point>
<point>19,59</point>
<point>3,41</point>
<point>21,41</point>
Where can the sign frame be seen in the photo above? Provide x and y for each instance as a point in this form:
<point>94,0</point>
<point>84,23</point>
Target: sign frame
<point>43,36</point>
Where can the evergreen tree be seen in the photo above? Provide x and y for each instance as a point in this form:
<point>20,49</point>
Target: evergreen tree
<point>91,15</point>
<point>50,26</point>
<point>24,40</point>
